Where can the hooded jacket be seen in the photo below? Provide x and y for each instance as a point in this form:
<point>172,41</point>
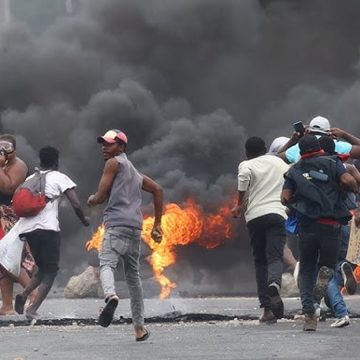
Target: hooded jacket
<point>318,193</point>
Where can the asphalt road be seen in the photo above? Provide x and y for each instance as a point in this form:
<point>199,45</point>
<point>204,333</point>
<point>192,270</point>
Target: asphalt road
<point>180,329</point>
<point>201,340</point>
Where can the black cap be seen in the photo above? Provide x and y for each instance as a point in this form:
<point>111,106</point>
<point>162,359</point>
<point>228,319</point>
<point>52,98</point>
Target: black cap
<point>309,143</point>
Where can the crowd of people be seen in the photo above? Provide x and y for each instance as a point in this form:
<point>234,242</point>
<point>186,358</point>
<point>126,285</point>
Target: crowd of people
<point>304,187</point>
<point>38,234</point>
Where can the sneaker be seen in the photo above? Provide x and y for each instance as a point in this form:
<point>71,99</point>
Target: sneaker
<point>349,278</point>
<point>339,323</point>
<point>277,305</point>
<point>268,317</point>
<point>323,278</point>
<point>296,273</point>
<point>107,313</point>
<point>317,312</point>
<point>310,323</point>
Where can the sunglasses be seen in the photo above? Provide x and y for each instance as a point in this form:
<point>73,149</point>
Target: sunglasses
<point>6,146</point>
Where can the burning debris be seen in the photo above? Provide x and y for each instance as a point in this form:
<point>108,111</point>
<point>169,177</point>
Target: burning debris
<point>184,226</point>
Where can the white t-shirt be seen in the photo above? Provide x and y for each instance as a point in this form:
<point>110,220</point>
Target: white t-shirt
<point>56,183</point>
<point>262,177</point>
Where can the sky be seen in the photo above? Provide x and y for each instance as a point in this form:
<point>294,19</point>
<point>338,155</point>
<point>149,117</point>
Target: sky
<point>188,81</point>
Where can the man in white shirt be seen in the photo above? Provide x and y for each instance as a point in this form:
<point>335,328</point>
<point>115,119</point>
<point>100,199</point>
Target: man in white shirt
<point>42,232</point>
<point>260,178</point>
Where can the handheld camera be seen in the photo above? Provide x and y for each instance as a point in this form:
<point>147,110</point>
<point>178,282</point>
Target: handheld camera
<point>299,127</point>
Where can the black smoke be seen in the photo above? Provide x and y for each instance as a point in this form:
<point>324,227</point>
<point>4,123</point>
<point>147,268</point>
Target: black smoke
<point>188,81</point>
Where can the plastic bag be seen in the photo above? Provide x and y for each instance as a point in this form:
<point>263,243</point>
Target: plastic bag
<point>29,198</point>
<point>11,248</point>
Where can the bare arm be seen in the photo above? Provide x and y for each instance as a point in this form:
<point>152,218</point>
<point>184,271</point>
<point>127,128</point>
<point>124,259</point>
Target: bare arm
<point>75,203</point>
<point>110,170</point>
<point>286,196</point>
<point>352,170</point>
<point>237,209</point>
<point>355,152</point>
<point>156,190</point>
<point>13,177</point>
<point>348,182</point>
<point>292,141</point>
<point>339,133</point>
<point>353,140</point>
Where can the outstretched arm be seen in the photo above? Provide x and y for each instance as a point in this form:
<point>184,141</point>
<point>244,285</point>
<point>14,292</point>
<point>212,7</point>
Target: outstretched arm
<point>75,203</point>
<point>353,140</point>
<point>292,141</point>
<point>156,190</point>
<point>342,134</point>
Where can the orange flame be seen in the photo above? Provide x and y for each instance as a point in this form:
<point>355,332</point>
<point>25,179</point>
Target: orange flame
<point>357,278</point>
<point>96,240</point>
<point>357,274</point>
<point>181,226</point>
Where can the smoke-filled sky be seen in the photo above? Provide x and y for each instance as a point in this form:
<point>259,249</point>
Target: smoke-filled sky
<point>187,80</point>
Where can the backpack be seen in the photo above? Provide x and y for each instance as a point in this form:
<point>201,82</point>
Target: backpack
<point>29,198</point>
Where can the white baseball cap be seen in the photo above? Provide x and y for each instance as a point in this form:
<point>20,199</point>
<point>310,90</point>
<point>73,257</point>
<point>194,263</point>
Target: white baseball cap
<point>277,144</point>
<point>319,124</point>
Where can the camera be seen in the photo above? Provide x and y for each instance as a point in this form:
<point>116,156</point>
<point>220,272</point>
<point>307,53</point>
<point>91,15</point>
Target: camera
<point>299,127</point>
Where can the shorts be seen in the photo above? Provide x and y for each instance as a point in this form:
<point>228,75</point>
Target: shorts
<point>45,248</point>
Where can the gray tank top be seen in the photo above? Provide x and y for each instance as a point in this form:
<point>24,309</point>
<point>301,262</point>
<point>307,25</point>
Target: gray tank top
<point>124,204</point>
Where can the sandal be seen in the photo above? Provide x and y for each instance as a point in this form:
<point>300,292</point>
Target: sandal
<point>107,313</point>
<point>145,336</point>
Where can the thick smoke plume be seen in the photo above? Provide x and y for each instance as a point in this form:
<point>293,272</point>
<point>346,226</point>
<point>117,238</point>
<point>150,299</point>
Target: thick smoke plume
<point>188,81</point>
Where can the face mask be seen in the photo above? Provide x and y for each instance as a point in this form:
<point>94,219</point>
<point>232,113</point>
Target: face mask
<point>6,147</point>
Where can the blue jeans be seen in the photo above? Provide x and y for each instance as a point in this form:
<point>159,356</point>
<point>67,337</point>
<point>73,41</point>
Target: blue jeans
<point>124,242</point>
<point>336,299</point>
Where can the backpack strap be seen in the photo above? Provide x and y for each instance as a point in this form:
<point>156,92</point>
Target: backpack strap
<point>42,179</point>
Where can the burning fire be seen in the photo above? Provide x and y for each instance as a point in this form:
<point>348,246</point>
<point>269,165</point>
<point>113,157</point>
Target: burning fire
<point>357,274</point>
<point>96,240</point>
<point>181,226</point>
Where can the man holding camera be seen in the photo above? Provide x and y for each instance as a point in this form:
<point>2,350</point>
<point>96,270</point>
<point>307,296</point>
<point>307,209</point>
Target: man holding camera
<point>312,189</point>
<point>319,126</point>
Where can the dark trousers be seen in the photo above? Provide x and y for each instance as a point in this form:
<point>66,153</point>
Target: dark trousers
<point>319,246</point>
<point>45,248</point>
<point>267,236</point>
